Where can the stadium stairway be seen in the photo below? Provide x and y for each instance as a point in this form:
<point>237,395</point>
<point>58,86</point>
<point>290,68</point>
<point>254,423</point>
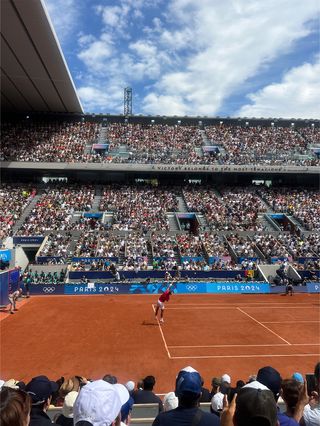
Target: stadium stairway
<point>173,223</point>
<point>26,213</point>
<point>182,205</point>
<point>96,200</point>
<point>73,242</point>
<point>268,226</point>
<point>103,135</point>
<point>208,142</point>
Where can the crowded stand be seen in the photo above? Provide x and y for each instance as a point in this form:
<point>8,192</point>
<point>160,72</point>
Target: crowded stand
<point>271,246</point>
<point>13,200</point>
<point>260,145</point>
<point>236,209</point>
<point>301,246</point>
<point>155,143</point>
<point>190,246</point>
<point>55,208</point>
<point>263,398</point>
<point>158,143</point>
<point>136,246</point>
<point>90,224</point>
<point>303,204</point>
<point>242,246</point>
<point>139,208</point>
<point>214,245</point>
<point>87,245</point>
<point>47,142</point>
<point>310,134</point>
<point>163,246</point>
<point>56,245</point>
<point>110,246</point>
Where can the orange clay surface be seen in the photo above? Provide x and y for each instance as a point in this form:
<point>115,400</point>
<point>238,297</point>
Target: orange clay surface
<point>216,334</point>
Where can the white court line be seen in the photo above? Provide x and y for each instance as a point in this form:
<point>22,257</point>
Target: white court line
<point>245,346</point>
<point>289,322</point>
<point>197,307</point>
<point>248,304</point>
<point>262,325</point>
<point>240,356</point>
<point>160,328</point>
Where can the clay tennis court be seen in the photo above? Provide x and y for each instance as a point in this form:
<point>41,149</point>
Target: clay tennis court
<point>94,335</point>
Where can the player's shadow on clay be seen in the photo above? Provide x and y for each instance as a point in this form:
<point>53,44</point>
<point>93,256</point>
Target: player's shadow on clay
<point>149,323</point>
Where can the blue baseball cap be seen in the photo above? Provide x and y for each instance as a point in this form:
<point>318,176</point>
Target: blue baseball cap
<point>40,389</point>
<point>298,377</point>
<point>188,380</point>
<point>271,378</point>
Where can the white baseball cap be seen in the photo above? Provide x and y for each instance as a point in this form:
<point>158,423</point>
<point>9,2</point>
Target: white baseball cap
<point>69,400</point>
<point>99,403</point>
<point>226,378</point>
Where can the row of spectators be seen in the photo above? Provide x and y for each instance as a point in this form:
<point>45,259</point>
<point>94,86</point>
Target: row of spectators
<point>54,210</point>
<point>47,142</point>
<point>13,200</point>
<point>139,208</point>
<point>56,245</point>
<point>136,247</point>
<point>236,208</point>
<point>264,399</point>
<point>42,277</point>
<point>303,204</point>
<point>261,145</point>
<point>144,208</point>
<point>158,143</point>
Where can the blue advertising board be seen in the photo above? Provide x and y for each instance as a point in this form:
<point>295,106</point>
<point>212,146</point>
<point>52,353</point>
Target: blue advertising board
<point>179,288</point>
<point>4,288</point>
<point>313,287</point>
<point>46,289</point>
<point>93,215</point>
<point>95,259</point>
<point>28,240</point>
<point>5,255</point>
<point>186,215</point>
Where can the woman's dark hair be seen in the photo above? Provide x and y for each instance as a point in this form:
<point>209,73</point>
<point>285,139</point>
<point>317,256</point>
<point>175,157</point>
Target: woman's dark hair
<point>291,389</point>
<point>15,406</point>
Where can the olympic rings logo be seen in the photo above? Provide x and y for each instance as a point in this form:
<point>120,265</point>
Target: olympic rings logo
<point>49,289</point>
<point>192,287</point>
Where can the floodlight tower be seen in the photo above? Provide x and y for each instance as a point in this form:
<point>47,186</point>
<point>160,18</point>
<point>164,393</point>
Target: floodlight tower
<point>127,101</point>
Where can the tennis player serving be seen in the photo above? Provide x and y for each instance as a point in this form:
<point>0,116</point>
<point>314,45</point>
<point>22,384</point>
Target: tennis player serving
<point>165,296</point>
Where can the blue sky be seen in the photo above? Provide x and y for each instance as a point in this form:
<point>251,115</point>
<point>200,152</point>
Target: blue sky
<point>237,58</point>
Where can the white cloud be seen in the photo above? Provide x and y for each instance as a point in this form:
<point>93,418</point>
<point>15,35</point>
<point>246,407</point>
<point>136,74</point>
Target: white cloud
<point>192,56</point>
<point>296,96</point>
<point>101,99</point>
<point>231,42</point>
<point>96,53</point>
<point>64,15</point>
<point>166,104</point>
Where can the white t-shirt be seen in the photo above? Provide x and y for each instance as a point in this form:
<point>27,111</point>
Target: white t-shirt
<point>311,416</point>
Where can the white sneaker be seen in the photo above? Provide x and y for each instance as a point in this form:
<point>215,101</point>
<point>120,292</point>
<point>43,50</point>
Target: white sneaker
<point>161,320</point>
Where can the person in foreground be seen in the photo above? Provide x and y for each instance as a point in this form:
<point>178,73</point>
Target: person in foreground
<point>15,407</point>
<point>99,404</point>
<point>250,407</point>
<point>188,413</point>
<point>40,389</point>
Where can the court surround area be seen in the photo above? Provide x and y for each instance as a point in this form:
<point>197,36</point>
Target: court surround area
<point>95,335</point>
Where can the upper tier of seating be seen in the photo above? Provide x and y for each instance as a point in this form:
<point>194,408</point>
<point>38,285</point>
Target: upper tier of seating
<point>158,143</point>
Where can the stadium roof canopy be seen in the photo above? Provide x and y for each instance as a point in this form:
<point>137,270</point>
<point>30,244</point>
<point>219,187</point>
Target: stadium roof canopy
<point>34,73</point>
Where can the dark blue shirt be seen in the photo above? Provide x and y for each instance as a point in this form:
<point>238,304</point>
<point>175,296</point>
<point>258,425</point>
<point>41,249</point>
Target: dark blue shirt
<point>184,417</point>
